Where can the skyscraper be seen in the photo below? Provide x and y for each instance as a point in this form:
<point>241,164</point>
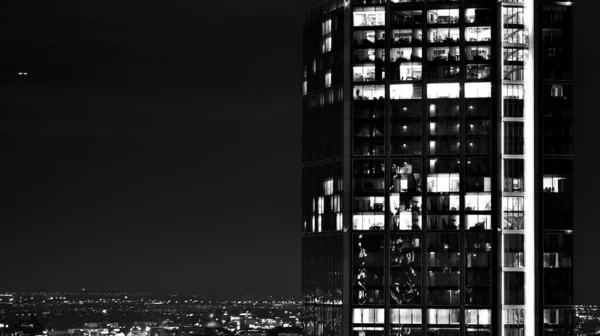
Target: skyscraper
<point>437,168</point>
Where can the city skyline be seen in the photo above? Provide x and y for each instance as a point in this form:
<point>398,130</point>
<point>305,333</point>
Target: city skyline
<point>143,179</point>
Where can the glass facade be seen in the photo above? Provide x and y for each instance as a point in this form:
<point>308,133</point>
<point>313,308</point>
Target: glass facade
<point>556,157</point>
<point>322,174</point>
<point>434,200</point>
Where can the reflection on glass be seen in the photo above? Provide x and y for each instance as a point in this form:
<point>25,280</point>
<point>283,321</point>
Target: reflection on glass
<point>368,268</point>
<point>405,272</point>
<point>405,195</point>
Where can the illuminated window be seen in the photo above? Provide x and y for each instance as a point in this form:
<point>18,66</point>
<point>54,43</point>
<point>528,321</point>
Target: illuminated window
<point>478,90</point>
<point>444,35</point>
<point>405,200</point>
<point>327,44</point>
<point>410,71</point>
<point>368,315</point>
<point>556,91</point>
<point>369,92</point>
<point>513,91</point>
<point>405,91</point>
<point>443,90</point>
<point>478,316</point>
<point>478,222</point>
<point>320,205</point>
<point>326,27</point>
<point>555,183</point>
<point>406,316</point>
<point>369,37</point>
<point>369,17</point>
<point>328,79</point>
<point>369,55</point>
<point>403,37</point>
<point>478,34</point>
<point>364,73</point>
<point>406,54</point>
<point>443,16</point>
<point>368,220</point>
<point>444,316</point>
<point>478,202</point>
<point>443,54</point>
<point>443,183</point>
<point>479,71</point>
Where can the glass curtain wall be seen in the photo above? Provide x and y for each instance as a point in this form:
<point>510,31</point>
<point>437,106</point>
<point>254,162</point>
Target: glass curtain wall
<point>422,167</point>
<point>557,165</point>
<point>322,174</point>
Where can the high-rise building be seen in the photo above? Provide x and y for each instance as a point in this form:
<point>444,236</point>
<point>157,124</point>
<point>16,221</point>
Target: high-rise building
<point>438,168</point>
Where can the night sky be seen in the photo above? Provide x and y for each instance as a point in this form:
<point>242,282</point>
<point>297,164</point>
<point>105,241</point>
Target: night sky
<point>155,146</point>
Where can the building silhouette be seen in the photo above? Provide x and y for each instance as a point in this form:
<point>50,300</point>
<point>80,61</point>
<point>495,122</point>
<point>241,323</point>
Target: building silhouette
<point>438,168</point>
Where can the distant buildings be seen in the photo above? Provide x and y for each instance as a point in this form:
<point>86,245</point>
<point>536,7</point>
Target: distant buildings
<point>6,301</point>
<point>126,314</point>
